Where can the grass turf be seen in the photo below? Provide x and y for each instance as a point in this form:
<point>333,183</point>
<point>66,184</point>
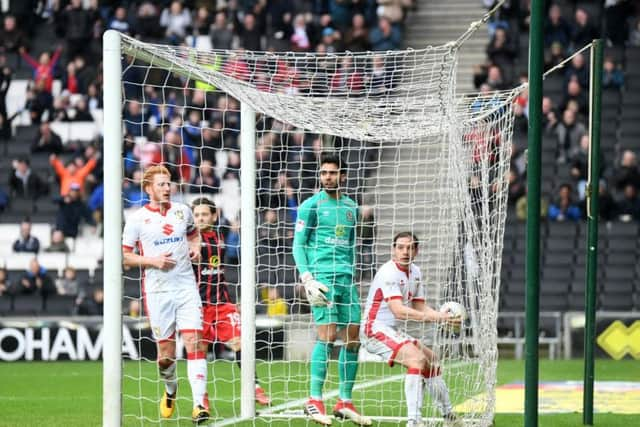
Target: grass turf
<point>69,393</point>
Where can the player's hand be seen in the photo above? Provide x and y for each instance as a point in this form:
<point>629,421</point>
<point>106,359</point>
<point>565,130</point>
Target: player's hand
<point>451,320</point>
<point>164,262</point>
<point>195,256</point>
<point>315,290</point>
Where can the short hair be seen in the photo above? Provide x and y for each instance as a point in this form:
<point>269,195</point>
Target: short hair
<point>408,234</point>
<point>152,171</point>
<point>206,202</point>
<point>331,158</point>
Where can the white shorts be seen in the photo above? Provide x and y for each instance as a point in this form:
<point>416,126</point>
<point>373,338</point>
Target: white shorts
<point>385,341</point>
<point>170,311</point>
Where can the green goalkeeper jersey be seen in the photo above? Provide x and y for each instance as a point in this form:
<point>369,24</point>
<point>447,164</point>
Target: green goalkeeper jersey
<point>325,235</point>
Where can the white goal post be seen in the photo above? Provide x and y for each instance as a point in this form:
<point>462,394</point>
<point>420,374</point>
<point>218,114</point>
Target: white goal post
<point>422,158</point>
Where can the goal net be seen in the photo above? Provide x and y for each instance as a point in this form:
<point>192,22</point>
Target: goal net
<point>417,157</point>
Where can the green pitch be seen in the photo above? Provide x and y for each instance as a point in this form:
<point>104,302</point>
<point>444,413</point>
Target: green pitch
<point>68,394</point>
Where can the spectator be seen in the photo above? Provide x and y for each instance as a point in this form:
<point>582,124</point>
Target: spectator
<point>39,103</point>
<point>11,37</point>
<point>133,193</point>
<point>221,32</point>
<point>72,173</point>
<point>276,305</point>
<point>516,187</point>
<point>606,205</point>
<point>502,53</point>
<point>135,121</point>
<point>81,112</point>
<point>583,31</point>
<point>554,56</point>
<point>627,173</point>
<point>76,25</point>
<point>5,283</point>
<point>563,208</point>
<point>629,205</point>
<point>47,141</point>
<point>300,39</point>
<point>232,244</point>
<point>24,182</point>
<point>206,181</point>
<point>269,233</point>
<point>120,22</point>
<point>569,132</point>
<point>495,79</point>
<point>35,281</point>
<point>521,207</point>
<point>634,37</point>
<point>393,10</point>
<point>92,306</point>
<point>578,70</point>
<point>175,20</point>
<point>556,29</point>
<point>43,68</point>
<point>612,76</point>
<point>147,20</point>
<point>250,34</point>
<point>579,163</point>
<point>367,234</point>
<point>72,210</point>
<point>385,36</point>
<point>5,81</point>
<point>26,242</point>
<point>68,283</point>
<point>356,38</point>
<point>57,243</point>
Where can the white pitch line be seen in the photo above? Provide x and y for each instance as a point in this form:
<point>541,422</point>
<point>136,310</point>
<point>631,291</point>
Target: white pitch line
<point>333,393</point>
<point>300,402</point>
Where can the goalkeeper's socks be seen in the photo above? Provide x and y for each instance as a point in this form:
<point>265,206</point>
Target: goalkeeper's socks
<point>168,375</point>
<point>319,360</point>
<point>413,394</point>
<point>439,392</point>
<point>197,374</point>
<point>347,371</point>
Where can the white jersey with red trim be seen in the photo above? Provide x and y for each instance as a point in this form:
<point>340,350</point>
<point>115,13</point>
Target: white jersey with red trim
<point>391,282</point>
<point>154,234</point>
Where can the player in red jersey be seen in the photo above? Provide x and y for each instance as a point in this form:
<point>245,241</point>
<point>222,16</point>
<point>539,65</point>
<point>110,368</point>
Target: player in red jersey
<point>221,318</point>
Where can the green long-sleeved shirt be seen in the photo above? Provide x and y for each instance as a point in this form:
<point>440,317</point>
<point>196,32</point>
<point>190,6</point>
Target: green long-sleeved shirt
<point>325,235</point>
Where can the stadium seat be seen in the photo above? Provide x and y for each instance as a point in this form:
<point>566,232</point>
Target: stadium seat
<point>553,302</point>
<point>576,302</point>
<point>562,229</point>
<point>19,261</point>
<point>6,305</point>
<point>27,305</point>
<point>59,305</point>
<point>616,302</point>
<point>53,262</point>
<point>560,244</point>
<point>559,259</point>
<point>554,287</point>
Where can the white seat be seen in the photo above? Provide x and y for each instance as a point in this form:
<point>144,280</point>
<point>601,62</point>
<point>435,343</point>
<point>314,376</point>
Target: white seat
<point>83,262</point>
<point>43,232</point>
<point>75,131</point>
<point>8,234</point>
<point>89,246</point>
<point>53,261</point>
<point>19,261</point>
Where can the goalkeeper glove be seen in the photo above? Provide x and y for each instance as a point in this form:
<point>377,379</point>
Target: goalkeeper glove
<point>315,290</point>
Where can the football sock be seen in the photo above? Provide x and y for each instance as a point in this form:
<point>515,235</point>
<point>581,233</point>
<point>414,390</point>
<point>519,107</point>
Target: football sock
<point>168,375</point>
<point>319,360</point>
<point>347,371</point>
<point>439,392</point>
<point>197,374</point>
<point>413,394</point>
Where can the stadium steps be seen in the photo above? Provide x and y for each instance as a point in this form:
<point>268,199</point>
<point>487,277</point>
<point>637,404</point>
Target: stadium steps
<point>437,22</point>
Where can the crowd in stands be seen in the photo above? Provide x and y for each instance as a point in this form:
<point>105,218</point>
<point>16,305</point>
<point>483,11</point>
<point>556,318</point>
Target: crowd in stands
<point>568,27</point>
<point>56,46</point>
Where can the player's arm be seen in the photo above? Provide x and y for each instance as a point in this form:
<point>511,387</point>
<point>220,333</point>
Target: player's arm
<point>301,235</point>
<point>132,259</point>
<point>403,312</point>
<point>421,306</point>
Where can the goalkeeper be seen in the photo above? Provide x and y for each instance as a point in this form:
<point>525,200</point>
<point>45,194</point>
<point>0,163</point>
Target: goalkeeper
<point>324,252</point>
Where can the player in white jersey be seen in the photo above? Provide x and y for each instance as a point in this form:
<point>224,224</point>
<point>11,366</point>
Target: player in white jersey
<point>168,242</point>
<point>397,294</point>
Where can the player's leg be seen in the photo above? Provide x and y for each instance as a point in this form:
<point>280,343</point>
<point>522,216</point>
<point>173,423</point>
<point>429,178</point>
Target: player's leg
<point>189,323</point>
<point>436,387</point>
<point>348,306</point>
<point>161,312</point>
<point>325,319</point>
<point>227,331</point>
<point>411,356</point>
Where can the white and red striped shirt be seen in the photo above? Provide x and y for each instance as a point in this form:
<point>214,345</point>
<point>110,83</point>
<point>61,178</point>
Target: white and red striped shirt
<point>154,234</point>
<point>391,282</point>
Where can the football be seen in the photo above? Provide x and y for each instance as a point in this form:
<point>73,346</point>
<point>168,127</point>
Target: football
<point>455,309</point>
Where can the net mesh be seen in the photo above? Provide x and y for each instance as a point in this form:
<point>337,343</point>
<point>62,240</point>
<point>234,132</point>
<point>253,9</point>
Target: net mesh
<point>417,157</point>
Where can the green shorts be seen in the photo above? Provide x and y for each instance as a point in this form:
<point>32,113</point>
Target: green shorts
<point>345,302</point>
